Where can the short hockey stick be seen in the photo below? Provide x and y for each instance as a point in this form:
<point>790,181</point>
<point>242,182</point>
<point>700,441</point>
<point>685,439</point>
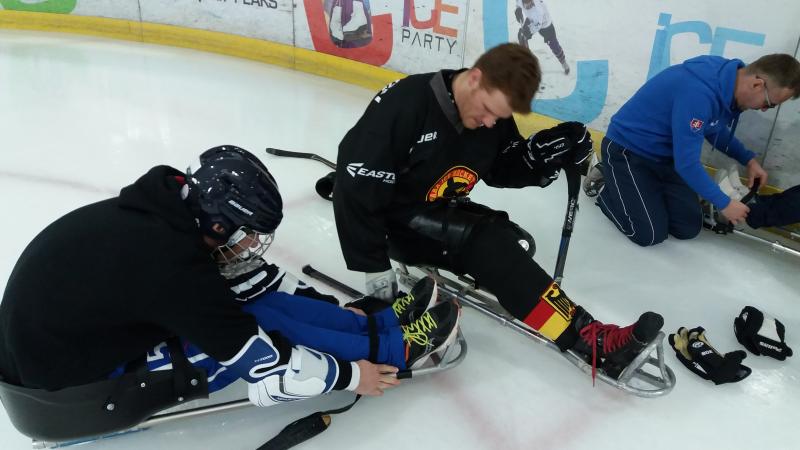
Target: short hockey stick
<point>573,187</point>
<point>336,284</point>
<point>290,154</point>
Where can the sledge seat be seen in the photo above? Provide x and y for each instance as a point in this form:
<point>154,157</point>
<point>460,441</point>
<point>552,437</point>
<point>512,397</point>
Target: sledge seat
<point>102,407</point>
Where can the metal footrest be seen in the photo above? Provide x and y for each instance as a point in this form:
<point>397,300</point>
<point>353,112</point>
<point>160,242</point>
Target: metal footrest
<point>635,379</point>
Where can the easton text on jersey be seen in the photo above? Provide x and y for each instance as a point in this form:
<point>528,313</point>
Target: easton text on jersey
<point>357,169</point>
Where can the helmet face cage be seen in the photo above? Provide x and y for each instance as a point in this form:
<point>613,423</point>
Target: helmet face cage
<point>242,252</point>
<point>229,186</point>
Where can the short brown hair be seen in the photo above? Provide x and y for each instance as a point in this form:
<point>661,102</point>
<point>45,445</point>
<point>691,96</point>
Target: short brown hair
<point>781,68</point>
<point>515,71</point>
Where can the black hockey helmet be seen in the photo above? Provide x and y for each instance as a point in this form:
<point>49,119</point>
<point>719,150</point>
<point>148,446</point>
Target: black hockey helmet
<point>231,187</point>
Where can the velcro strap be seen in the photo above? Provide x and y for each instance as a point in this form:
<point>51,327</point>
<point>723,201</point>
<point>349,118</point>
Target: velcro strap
<point>372,330</point>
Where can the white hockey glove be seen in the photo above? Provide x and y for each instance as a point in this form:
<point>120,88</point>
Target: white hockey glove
<point>761,334</point>
<point>308,373</point>
<point>382,285</point>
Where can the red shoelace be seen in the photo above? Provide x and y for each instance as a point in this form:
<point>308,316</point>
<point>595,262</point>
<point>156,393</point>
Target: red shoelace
<point>614,338</point>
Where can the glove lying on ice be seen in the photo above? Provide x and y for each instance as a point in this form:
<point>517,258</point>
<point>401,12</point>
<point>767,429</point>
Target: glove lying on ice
<point>694,351</point>
<point>564,146</point>
<point>761,333</point>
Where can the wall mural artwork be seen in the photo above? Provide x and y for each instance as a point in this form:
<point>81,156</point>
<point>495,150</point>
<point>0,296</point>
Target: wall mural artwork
<point>717,38</point>
<point>588,97</point>
<point>594,57</point>
<point>44,6</point>
<point>346,28</point>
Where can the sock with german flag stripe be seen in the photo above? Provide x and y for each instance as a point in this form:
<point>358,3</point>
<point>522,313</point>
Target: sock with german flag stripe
<point>498,263</point>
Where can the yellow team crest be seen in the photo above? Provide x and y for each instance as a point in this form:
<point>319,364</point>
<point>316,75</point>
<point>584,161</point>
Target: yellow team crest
<point>456,182</point>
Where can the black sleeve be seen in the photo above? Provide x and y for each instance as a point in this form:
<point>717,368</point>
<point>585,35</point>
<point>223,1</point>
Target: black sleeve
<point>207,316</point>
<point>198,305</point>
<point>510,169</point>
<point>370,156</point>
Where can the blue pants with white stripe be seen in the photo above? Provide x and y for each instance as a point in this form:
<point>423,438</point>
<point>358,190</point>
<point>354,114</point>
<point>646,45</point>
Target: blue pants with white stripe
<point>303,321</point>
<point>646,199</point>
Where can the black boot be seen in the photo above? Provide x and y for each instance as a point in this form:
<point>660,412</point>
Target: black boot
<point>410,307</point>
<point>616,347</point>
<point>434,330</point>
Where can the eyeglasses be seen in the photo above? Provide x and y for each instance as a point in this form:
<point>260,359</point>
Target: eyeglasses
<point>769,104</point>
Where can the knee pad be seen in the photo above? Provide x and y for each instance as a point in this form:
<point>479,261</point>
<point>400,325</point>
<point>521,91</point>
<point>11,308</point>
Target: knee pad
<point>307,374</point>
<point>525,239</point>
<point>452,223</point>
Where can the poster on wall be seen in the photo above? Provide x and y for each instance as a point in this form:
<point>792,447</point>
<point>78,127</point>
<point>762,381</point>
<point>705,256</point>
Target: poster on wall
<point>115,9</point>
<point>270,20</point>
<point>408,36</point>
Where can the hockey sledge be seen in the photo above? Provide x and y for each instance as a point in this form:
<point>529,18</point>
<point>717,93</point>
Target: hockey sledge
<point>714,221</point>
<point>140,400</point>
<point>447,358</point>
<point>646,376</point>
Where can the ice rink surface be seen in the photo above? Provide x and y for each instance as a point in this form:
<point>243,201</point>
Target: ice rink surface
<point>81,117</point>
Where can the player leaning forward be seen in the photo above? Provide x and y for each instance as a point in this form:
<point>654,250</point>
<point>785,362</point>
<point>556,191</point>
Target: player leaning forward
<point>147,272</point>
<point>405,170</point>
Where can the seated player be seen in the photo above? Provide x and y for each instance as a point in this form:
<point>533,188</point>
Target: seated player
<point>404,173</point>
<point>150,273</point>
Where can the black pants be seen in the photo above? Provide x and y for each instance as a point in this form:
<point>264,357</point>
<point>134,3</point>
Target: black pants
<point>775,210</point>
<point>469,238</point>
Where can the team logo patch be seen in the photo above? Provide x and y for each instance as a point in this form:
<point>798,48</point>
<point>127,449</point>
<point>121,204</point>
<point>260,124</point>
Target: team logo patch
<point>696,124</point>
<point>456,182</point>
<point>560,303</point>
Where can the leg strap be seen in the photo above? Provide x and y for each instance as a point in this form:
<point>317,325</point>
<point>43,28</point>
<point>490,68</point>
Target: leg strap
<point>372,330</point>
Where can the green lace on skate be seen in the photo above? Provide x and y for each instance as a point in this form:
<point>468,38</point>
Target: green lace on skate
<point>399,306</point>
<point>417,331</point>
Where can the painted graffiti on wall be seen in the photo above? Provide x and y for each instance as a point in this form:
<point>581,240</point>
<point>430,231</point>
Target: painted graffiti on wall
<point>588,97</point>
<point>45,6</point>
<point>429,34</point>
<point>273,4</point>
<point>717,39</point>
<point>328,34</point>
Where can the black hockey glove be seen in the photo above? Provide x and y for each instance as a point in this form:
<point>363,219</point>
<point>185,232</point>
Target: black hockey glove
<point>253,280</point>
<point>695,352</point>
<point>310,292</point>
<point>566,145</point>
<point>518,15</point>
<point>761,333</point>
<point>370,305</point>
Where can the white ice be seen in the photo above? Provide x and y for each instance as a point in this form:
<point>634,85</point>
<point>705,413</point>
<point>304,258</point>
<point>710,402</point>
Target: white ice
<point>80,117</point>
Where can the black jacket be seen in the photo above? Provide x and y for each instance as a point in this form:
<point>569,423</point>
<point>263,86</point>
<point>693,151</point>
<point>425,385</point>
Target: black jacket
<point>408,149</point>
<point>105,283</point>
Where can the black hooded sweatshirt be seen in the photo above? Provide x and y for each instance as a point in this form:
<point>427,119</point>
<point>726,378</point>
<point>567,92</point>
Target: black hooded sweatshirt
<point>105,283</point>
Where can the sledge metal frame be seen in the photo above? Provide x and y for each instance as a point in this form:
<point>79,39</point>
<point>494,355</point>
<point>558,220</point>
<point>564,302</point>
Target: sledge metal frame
<point>154,420</point>
<point>775,245</point>
<point>465,292</point>
<point>712,222</point>
<point>444,359</point>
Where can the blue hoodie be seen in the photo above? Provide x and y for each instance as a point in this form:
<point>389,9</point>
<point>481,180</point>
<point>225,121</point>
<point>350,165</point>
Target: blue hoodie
<point>668,117</point>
